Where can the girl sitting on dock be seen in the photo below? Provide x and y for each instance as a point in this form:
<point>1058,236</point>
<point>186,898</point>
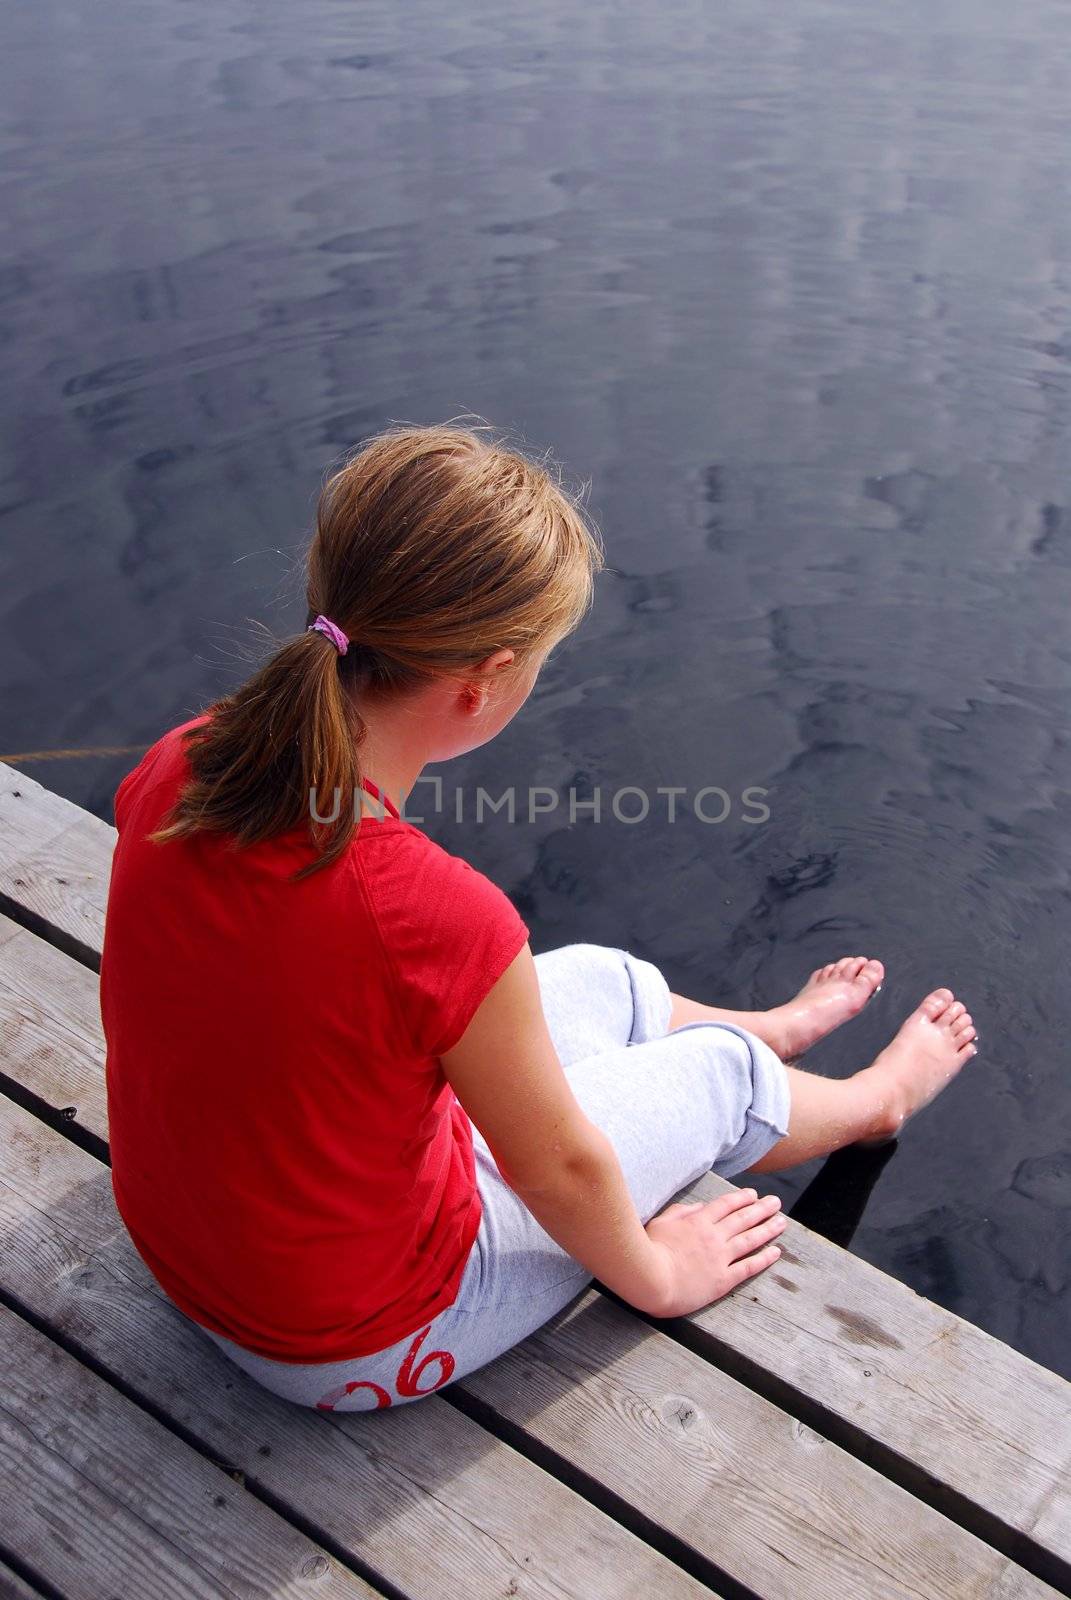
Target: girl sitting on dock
<point>360,1134</point>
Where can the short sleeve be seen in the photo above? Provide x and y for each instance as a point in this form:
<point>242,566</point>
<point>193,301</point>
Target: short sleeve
<point>162,762</point>
<point>125,793</point>
<point>132,786</point>
<point>449,932</point>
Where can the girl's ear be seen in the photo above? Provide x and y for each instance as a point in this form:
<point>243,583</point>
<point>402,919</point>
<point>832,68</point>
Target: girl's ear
<point>476,689</point>
<point>495,663</point>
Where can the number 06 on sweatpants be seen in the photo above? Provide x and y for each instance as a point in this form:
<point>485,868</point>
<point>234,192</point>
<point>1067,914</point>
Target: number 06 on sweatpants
<point>407,1382</point>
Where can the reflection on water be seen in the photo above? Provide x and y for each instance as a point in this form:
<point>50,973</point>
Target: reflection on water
<point>792,287</point>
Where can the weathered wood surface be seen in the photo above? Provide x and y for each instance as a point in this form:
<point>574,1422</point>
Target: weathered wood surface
<point>421,1496</point>
<point>721,1472</point>
<point>55,860</point>
<point>51,1043</point>
<point>910,1387</point>
<point>714,1474</point>
<point>983,1432</point>
<point>101,1500</point>
<point>729,1475</point>
<point>927,1397</point>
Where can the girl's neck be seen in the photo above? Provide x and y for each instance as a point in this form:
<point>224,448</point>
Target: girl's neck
<point>391,758</point>
<point>403,733</point>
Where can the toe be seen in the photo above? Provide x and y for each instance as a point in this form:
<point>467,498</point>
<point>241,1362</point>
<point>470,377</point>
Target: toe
<point>873,972</point>
<point>851,967</point>
<point>827,972</point>
<point>956,1010</point>
<point>935,1004</point>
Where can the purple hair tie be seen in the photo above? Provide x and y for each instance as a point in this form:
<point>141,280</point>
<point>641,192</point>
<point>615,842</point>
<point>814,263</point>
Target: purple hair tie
<point>325,626</point>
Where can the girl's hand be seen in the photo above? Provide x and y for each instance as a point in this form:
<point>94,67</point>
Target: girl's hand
<point>708,1247</point>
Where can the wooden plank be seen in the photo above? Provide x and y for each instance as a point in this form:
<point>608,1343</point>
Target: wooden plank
<point>51,1044</point>
<point>950,1412</point>
<point>717,1477</point>
<point>55,861</point>
<point>420,1496</point>
<point>780,1508</point>
<point>100,1499</point>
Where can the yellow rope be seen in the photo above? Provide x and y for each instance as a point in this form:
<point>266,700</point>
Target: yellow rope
<point>69,755</point>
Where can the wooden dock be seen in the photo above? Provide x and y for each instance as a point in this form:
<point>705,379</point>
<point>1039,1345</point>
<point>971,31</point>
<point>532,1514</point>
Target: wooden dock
<point>824,1432</point>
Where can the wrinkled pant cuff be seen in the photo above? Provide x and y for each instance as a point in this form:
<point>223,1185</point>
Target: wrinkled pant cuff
<point>652,1001</point>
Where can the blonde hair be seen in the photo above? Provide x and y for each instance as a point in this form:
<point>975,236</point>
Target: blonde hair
<point>433,548</point>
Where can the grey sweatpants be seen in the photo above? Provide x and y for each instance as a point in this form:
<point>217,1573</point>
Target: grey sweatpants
<point>706,1097</point>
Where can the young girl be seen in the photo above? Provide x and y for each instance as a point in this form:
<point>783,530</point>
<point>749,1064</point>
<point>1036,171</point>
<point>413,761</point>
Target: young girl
<point>361,1136</point>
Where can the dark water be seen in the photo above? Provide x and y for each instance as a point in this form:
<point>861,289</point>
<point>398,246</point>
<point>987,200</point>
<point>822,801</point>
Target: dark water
<point>791,285</point>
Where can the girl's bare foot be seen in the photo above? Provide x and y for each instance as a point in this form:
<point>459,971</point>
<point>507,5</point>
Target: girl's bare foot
<point>832,995</point>
<point>931,1047</point>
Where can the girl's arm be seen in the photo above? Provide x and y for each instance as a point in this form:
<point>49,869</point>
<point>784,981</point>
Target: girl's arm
<point>506,1073</point>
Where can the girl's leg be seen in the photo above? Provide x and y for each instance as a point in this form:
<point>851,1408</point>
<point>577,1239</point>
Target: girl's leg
<point>831,996</point>
<point>871,1106</point>
<point>707,1097</point>
<point>826,1114</point>
<point>596,998</point>
<point>590,993</point>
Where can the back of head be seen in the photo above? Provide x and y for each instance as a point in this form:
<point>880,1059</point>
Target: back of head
<point>434,547</point>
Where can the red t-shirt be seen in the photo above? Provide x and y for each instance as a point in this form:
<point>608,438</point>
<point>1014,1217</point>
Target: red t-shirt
<point>288,1155</point>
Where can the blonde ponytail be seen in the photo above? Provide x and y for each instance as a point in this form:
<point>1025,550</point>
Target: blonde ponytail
<point>273,750</point>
